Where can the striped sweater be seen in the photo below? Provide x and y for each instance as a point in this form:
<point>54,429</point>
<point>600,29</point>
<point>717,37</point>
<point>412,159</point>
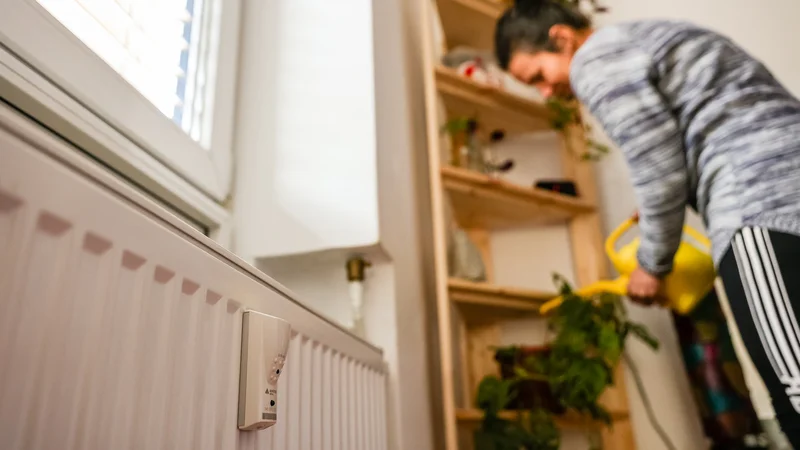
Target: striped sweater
<point>701,123</point>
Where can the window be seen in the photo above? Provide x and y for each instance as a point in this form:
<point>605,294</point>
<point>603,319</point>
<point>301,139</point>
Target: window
<point>160,72</point>
<point>148,44</point>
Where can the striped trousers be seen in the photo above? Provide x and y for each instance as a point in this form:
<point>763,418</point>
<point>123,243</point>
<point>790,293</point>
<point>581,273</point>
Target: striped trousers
<point>761,275</point>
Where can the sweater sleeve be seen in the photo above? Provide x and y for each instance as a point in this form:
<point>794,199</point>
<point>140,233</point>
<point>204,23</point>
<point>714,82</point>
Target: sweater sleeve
<point>613,78</point>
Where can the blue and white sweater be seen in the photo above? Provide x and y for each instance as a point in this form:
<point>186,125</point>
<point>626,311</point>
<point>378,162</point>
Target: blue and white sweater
<point>701,123</point>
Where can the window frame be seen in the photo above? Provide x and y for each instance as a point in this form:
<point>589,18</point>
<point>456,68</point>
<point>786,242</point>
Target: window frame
<point>56,58</point>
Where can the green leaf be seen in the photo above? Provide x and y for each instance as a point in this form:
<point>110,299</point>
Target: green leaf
<point>562,113</point>
<point>457,125</point>
<point>505,438</point>
<point>602,148</point>
<point>589,338</point>
<point>575,341</point>
<point>607,310</point>
<point>543,430</point>
<point>506,355</point>
<point>599,413</point>
<point>494,394</point>
<point>484,440</point>
<point>642,333</point>
<point>609,343</point>
<point>562,285</point>
<point>521,372</point>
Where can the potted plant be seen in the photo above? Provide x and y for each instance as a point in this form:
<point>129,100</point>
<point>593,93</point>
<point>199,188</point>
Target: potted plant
<point>565,117</point>
<point>532,391</point>
<point>588,340</point>
<point>534,431</point>
<point>470,152</point>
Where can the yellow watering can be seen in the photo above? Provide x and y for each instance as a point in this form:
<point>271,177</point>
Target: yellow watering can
<point>691,279</point>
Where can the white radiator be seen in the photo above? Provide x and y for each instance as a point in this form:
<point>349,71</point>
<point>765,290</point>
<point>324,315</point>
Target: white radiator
<point>120,327</point>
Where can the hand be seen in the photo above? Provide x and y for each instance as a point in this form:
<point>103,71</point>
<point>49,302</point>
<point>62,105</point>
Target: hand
<point>644,288</point>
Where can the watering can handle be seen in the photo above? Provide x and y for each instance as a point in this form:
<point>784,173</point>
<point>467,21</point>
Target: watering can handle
<point>612,239</point>
<point>697,236</point>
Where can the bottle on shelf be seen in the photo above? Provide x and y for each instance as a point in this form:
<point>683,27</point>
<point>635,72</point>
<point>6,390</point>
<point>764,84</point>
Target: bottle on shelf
<point>493,167</point>
<point>472,151</point>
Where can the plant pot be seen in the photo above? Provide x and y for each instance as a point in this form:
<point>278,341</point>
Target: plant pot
<point>529,393</point>
<point>510,357</point>
<point>536,394</point>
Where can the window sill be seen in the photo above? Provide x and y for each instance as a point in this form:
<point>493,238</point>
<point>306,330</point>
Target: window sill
<point>24,88</point>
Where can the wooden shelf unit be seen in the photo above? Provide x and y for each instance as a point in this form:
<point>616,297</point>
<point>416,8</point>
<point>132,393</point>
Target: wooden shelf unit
<point>481,303</point>
<point>472,418</point>
<point>470,22</point>
<point>493,108</point>
<point>480,201</point>
<point>470,315</point>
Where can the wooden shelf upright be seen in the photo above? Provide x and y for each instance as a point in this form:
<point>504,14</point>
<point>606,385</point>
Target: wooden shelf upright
<point>469,314</point>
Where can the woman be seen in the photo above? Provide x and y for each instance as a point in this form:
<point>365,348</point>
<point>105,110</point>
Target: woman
<point>703,124</point>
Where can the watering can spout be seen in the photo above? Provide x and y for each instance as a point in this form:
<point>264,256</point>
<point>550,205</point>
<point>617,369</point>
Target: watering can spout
<point>618,287</point>
<point>691,279</point>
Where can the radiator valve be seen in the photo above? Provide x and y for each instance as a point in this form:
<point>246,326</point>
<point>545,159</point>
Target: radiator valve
<point>356,266</point>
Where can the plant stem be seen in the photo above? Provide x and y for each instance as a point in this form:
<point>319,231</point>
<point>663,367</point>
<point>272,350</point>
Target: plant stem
<point>651,415</point>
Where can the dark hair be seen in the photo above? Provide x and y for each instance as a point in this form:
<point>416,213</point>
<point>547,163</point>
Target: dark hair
<point>526,25</point>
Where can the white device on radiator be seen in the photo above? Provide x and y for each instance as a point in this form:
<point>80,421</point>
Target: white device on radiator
<point>265,341</point>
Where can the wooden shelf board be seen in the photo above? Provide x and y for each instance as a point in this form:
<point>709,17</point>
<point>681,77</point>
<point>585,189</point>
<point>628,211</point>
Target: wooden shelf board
<point>473,417</point>
<point>492,108</point>
<point>470,22</point>
<point>480,201</point>
<point>484,302</point>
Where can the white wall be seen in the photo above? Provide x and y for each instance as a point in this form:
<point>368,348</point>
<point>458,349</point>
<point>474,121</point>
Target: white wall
<point>305,139</point>
<point>766,28</point>
<point>404,218</point>
<point>391,236</point>
<point>528,257</point>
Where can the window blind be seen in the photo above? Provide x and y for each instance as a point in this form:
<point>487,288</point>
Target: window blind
<point>148,42</point>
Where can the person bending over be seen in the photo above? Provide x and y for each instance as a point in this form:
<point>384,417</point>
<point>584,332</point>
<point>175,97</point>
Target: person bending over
<point>702,124</point>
